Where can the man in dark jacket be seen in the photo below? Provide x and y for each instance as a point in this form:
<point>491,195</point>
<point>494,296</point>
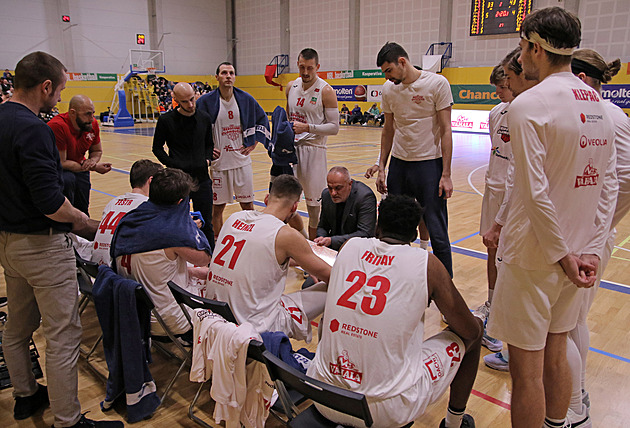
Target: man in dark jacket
<point>348,210</point>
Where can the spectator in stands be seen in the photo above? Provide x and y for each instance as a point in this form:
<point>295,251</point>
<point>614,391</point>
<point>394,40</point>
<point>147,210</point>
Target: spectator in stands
<point>356,115</point>
<point>5,84</point>
<point>344,113</point>
<point>47,117</point>
<point>372,113</point>
<point>7,75</point>
<point>6,96</point>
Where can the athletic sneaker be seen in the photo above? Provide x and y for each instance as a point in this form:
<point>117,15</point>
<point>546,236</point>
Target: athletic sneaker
<point>579,421</point>
<point>25,407</point>
<point>3,301</point>
<point>89,423</point>
<point>497,362</point>
<point>467,422</point>
<point>484,309</point>
<point>494,345</point>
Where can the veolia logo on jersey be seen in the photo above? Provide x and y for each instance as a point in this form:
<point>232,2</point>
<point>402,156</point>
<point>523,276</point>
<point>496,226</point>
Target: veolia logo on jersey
<point>586,142</point>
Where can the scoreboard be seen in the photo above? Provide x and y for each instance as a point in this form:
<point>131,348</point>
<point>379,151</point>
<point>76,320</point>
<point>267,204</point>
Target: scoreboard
<point>498,16</point>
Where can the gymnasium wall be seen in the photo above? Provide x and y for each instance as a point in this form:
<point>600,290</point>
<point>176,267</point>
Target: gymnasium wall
<point>100,33</point>
<point>415,24</point>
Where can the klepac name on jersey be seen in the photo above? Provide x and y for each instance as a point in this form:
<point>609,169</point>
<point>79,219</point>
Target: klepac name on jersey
<point>589,142</point>
<point>589,178</point>
<point>586,95</point>
<point>346,368</point>
<point>462,122</point>
<point>591,118</point>
<point>233,132</point>
<point>352,330</point>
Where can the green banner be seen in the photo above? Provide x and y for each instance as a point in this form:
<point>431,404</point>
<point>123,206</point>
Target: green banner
<point>368,73</point>
<point>108,77</point>
<point>474,94</point>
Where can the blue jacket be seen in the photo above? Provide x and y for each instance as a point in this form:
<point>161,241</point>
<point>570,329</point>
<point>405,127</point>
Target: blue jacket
<point>254,122</point>
<point>126,326</point>
<point>281,149</point>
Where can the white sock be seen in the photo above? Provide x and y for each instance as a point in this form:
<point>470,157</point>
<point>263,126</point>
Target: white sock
<point>554,423</point>
<point>424,244</point>
<point>575,365</point>
<point>454,418</point>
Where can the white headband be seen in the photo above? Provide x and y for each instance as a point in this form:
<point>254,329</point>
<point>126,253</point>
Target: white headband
<point>535,38</point>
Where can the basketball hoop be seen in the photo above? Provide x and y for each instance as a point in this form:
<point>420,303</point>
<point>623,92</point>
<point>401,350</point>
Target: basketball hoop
<point>151,70</point>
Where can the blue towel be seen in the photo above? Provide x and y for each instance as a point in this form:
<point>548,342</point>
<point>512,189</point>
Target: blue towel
<point>281,149</point>
<point>254,122</point>
<point>279,345</point>
<point>154,227</point>
<point>126,326</point>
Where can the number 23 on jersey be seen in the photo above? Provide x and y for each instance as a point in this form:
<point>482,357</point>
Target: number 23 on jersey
<point>373,304</point>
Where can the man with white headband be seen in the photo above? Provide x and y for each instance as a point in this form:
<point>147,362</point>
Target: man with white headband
<point>554,236</point>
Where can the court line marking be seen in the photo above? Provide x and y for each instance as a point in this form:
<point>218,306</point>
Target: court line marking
<point>470,176</point>
<point>491,399</point>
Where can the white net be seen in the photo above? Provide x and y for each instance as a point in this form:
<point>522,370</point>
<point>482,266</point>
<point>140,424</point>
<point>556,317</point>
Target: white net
<point>143,61</point>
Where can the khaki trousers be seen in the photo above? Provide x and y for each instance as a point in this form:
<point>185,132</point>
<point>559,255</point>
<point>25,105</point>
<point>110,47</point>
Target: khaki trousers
<point>41,280</point>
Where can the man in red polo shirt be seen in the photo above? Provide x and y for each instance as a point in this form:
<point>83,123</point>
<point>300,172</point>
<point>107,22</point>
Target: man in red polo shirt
<point>75,133</point>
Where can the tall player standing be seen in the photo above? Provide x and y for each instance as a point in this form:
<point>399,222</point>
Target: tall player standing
<point>552,241</point>
<point>312,108</point>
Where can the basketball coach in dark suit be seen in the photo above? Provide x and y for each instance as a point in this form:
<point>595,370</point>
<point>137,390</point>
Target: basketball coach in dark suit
<point>348,210</point>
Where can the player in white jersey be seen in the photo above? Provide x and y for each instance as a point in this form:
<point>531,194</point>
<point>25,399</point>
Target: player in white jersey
<point>250,262</point>
<point>140,178</point>
<point>231,167</point>
<point>312,108</point>
<point>564,175</point>
<point>417,133</point>
<point>591,68</point>
<point>162,261</point>
<point>372,339</point>
<point>517,84</point>
<point>496,177</point>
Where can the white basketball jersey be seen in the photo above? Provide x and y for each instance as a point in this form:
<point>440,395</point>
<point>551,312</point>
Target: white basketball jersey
<point>501,150</point>
<point>113,212</point>
<point>245,271</point>
<point>374,319</point>
<point>153,270</point>
<point>228,137</point>
<point>307,107</point>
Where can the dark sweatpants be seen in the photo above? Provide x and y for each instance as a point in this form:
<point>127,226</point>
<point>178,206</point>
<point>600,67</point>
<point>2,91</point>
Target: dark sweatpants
<point>202,202</point>
<point>421,180</point>
<point>76,187</point>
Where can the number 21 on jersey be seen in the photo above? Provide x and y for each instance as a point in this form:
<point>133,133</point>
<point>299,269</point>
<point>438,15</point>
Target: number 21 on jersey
<point>228,242</point>
<point>370,305</point>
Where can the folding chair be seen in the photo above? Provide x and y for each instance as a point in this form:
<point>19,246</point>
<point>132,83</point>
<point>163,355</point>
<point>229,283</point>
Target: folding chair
<point>183,297</point>
<point>86,272</point>
<point>186,354</point>
<point>342,400</point>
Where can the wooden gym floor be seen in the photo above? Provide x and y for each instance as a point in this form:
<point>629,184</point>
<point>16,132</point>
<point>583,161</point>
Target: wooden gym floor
<point>608,370</point>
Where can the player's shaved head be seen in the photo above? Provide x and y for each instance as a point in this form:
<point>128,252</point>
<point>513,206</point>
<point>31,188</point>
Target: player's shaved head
<point>184,95</point>
<point>79,101</point>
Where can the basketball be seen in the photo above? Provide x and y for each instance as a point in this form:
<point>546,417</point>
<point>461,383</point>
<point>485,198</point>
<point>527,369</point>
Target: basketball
<point>360,93</point>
